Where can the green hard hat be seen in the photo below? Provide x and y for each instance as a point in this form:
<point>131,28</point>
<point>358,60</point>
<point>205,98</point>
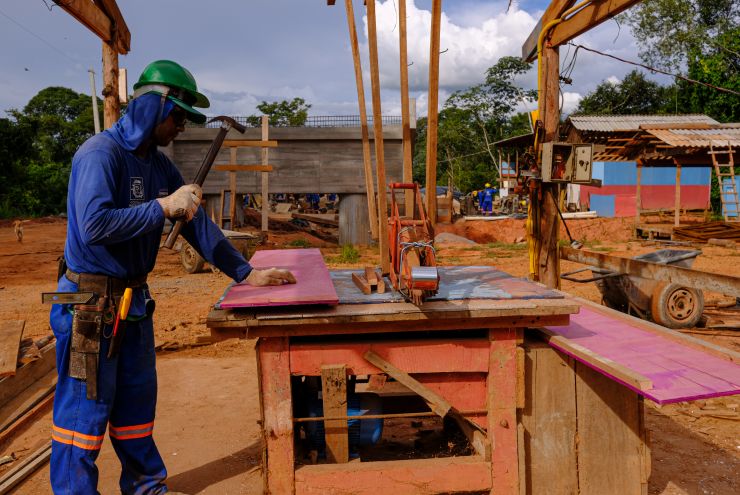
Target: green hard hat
<point>174,81</point>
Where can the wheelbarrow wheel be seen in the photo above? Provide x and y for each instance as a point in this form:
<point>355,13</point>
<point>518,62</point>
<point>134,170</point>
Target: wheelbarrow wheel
<point>191,260</point>
<point>676,306</point>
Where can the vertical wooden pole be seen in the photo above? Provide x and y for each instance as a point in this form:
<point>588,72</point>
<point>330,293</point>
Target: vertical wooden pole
<point>111,104</point>
<point>334,399</point>
<point>638,197</point>
<point>276,403</point>
<point>232,188</point>
<point>677,205</point>
<point>405,123</point>
<point>432,112</point>
<point>502,419</point>
<point>549,265</point>
<point>265,195</point>
<point>378,138</point>
<point>367,162</point>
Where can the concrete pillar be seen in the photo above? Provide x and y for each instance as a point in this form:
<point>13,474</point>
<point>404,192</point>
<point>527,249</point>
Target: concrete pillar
<point>354,223</point>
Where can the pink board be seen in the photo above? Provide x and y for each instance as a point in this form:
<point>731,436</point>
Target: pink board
<point>313,283</point>
<point>678,372</point>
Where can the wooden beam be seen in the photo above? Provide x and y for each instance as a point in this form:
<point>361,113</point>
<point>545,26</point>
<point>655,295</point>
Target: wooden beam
<point>10,341</point>
<point>638,197</point>
<point>23,470</point>
<point>232,167</point>
<point>264,152</point>
<point>28,374</point>
<point>120,29</point>
<point>91,16</point>
<point>232,188</point>
<point>111,102</point>
<point>553,11</point>
<point>246,143</point>
<point>378,139</point>
<point>334,398</point>
<point>717,282</point>
<point>588,17</point>
<point>677,205</point>
<point>366,160</point>
<point>405,119</point>
<point>433,112</point>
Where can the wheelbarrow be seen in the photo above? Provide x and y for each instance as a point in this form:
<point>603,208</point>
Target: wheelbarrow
<point>668,304</point>
<point>244,242</point>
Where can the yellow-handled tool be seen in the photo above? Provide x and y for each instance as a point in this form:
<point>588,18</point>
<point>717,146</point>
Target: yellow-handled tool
<point>120,323</point>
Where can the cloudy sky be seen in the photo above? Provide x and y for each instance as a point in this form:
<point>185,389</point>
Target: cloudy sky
<point>245,51</point>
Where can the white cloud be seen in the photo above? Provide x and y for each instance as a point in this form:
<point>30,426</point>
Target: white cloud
<point>613,80</point>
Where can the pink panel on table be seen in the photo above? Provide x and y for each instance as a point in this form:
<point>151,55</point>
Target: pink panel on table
<point>678,372</point>
<point>313,283</point>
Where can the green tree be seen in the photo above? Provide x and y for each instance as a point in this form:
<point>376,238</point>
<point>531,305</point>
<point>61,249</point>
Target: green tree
<point>634,95</point>
<point>282,113</point>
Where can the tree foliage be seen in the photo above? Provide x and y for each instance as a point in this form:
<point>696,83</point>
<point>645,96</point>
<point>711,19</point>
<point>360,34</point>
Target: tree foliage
<point>282,113</point>
<point>634,95</point>
<point>470,121</point>
<point>36,148</point>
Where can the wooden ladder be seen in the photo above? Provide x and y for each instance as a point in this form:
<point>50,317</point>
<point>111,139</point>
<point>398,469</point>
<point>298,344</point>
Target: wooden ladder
<point>728,198</point>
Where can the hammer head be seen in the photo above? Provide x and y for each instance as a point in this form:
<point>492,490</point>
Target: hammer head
<point>229,123</point>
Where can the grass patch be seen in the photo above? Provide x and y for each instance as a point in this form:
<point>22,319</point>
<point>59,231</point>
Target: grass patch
<point>349,254</point>
<point>299,243</point>
<point>520,246</point>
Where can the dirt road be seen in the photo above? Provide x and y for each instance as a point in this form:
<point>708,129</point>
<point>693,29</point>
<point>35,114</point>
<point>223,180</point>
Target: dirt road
<point>207,412</point>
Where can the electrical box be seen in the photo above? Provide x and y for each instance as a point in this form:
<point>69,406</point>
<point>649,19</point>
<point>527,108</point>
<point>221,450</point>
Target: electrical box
<point>565,162</point>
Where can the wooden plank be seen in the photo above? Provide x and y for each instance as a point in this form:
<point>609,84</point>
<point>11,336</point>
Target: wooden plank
<point>122,33</point>
<point>23,470</point>
<point>31,406</point>
<point>588,18</point>
<point>11,332</point>
<point>246,143</point>
<point>320,219</point>
<point>378,139</point>
<point>609,436</point>
<point>28,374</point>
<point>91,16</point>
<point>264,189</point>
<point>334,399</point>
<point>716,282</point>
<point>243,168</point>
<point>405,117</point>
<point>366,160</point>
<point>593,359</point>
<point>111,103</point>
<point>362,283</point>
<point>277,414</point>
<point>313,283</point>
<point>549,421</point>
<point>554,10</point>
<point>677,199</point>
<point>412,477</point>
<point>433,112</point>
<point>232,188</point>
<point>502,418</point>
<point>422,355</point>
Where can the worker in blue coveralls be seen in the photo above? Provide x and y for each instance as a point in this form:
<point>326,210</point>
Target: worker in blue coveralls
<point>486,201</point>
<point>121,190</point>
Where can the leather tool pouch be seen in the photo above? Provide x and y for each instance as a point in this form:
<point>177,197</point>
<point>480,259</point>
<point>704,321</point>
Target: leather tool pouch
<point>84,355</point>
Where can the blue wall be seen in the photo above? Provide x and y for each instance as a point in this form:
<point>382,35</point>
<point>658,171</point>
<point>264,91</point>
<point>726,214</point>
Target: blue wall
<point>603,204</point>
<point>625,174</point>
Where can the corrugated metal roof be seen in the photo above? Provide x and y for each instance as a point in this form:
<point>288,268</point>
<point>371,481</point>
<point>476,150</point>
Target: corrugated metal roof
<point>615,123</point>
<point>718,136</point>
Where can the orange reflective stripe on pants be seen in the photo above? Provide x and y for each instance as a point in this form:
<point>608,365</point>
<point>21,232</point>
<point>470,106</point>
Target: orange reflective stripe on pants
<point>70,437</point>
<point>131,432</point>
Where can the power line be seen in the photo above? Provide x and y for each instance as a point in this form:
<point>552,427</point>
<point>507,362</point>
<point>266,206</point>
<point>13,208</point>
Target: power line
<point>653,69</point>
<point>38,37</point>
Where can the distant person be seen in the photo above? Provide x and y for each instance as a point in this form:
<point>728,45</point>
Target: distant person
<point>480,200</point>
<point>121,190</point>
<point>313,200</point>
<point>487,199</point>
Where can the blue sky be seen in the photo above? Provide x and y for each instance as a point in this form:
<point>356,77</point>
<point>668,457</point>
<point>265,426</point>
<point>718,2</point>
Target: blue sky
<point>245,51</point>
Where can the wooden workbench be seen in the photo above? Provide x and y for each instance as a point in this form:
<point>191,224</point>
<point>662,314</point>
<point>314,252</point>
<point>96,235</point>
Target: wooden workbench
<point>466,350</point>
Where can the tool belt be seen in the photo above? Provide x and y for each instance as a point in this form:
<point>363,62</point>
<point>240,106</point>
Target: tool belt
<point>88,322</point>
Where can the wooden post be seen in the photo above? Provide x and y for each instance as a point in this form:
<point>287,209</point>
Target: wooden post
<point>502,418</point>
<point>378,138</point>
<point>432,112</point>
<point>273,361</point>
<point>548,268</point>
<point>265,195</point>
<point>232,188</point>
<point>334,398</point>
<point>638,197</point>
<point>677,205</point>
<point>367,162</point>
<point>407,159</point>
<point>111,105</point>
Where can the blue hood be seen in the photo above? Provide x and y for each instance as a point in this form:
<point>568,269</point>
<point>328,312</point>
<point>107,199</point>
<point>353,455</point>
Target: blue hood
<point>139,121</point>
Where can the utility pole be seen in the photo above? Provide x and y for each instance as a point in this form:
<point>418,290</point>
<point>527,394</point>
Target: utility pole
<point>96,117</point>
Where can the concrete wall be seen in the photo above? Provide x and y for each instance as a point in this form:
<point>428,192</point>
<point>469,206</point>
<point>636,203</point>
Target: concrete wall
<point>307,159</point>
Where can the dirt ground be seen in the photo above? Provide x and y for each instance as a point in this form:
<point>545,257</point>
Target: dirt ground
<point>207,427</point>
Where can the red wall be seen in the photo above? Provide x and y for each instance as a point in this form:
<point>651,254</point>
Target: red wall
<point>653,197</point>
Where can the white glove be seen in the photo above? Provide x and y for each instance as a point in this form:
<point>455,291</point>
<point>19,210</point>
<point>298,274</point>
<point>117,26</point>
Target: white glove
<point>183,203</point>
<point>271,276</point>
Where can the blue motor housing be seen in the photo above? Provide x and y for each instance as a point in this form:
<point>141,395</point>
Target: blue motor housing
<point>361,432</point>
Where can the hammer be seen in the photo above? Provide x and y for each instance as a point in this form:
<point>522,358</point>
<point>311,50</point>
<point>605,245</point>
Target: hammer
<point>227,123</point>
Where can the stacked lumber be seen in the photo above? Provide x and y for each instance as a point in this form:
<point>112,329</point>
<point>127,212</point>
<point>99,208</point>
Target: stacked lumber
<point>703,232</point>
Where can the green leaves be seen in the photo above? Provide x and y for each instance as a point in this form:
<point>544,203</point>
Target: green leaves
<point>282,113</point>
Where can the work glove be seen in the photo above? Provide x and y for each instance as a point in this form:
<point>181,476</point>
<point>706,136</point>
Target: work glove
<point>183,203</point>
<point>270,276</point>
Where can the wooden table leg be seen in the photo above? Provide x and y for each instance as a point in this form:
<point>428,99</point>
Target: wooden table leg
<point>277,415</point>
<point>502,422</point>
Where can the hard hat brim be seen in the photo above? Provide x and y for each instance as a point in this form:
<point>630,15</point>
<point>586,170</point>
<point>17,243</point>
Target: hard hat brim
<point>193,114</point>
